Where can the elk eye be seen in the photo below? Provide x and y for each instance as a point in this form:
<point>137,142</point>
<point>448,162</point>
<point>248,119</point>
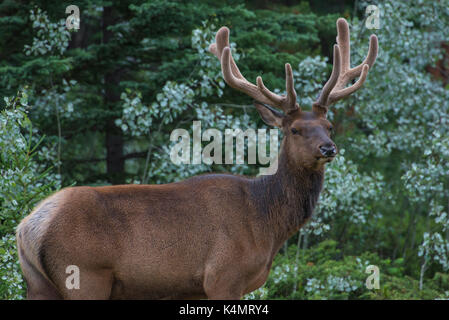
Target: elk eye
<point>294,131</point>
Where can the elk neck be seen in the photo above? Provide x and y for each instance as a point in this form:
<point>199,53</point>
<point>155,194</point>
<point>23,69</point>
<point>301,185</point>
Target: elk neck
<point>286,200</point>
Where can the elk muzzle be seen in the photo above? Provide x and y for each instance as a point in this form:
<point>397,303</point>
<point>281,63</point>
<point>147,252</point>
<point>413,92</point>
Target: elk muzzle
<point>328,150</point>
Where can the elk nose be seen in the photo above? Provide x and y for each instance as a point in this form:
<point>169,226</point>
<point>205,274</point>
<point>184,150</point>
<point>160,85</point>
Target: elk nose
<point>328,150</point>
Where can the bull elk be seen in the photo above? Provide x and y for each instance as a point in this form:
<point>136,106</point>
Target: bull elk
<point>211,236</point>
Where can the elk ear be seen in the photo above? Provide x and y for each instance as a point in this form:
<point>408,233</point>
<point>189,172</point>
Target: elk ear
<point>269,115</point>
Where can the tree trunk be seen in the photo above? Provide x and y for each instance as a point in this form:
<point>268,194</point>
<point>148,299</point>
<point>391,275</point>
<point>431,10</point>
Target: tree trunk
<point>115,163</point>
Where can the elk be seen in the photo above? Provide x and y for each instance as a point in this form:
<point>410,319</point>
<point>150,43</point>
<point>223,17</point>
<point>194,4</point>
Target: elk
<point>211,236</point>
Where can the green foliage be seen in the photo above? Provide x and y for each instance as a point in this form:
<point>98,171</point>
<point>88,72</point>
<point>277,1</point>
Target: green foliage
<point>50,37</point>
<point>321,272</point>
<point>23,182</point>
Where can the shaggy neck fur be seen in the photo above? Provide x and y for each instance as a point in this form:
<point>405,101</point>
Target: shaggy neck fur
<point>286,199</point>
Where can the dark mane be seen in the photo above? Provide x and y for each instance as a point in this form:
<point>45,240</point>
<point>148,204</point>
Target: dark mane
<point>286,199</point>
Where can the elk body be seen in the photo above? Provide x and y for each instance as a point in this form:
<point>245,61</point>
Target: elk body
<point>212,236</point>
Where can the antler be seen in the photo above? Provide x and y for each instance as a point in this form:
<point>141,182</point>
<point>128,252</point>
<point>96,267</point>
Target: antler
<point>234,78</point>
<point>335,88</point>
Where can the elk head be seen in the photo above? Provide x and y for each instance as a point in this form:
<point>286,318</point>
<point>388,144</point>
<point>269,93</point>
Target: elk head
<point>307,141</point>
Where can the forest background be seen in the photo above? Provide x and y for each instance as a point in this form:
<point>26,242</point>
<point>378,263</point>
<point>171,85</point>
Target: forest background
<point>96,106</point>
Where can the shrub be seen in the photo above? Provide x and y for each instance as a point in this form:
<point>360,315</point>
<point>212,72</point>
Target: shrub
<point>23,182</point>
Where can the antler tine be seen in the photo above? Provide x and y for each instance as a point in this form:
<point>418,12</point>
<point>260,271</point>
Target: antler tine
<point>341,93</point>
<point>336,89</point>
<point>330,84</point>
<point>221,42</point>
<point>343,43</point>
<point>289,85</point>
<point>370,57</point>
<point>290,99</point>
<point>235,79</point>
